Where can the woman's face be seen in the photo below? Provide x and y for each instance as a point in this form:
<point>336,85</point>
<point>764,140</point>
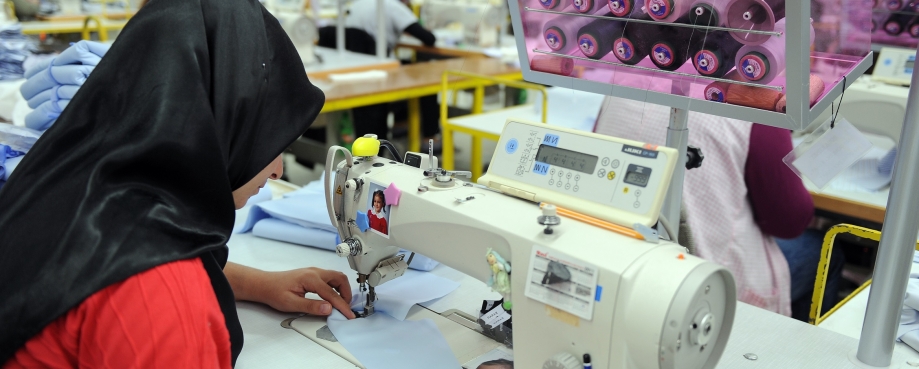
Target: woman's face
<point>377,203</point>
<point>272,171</point>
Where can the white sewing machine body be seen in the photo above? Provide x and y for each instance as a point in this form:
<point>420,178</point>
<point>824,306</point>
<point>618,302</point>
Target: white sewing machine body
<point>658,307</point>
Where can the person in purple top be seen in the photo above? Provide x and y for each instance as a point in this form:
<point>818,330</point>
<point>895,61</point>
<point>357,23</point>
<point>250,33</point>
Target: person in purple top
<point>748,211</point>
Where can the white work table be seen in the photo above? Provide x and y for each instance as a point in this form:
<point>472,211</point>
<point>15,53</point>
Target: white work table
<point>508,46</point>
<point>344,61</point>
<point>848,320</point>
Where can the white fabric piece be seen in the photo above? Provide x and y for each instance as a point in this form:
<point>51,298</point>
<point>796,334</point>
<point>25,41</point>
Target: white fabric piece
<point>571,108</point>
<point>9,97</point>
<point>364,76</point>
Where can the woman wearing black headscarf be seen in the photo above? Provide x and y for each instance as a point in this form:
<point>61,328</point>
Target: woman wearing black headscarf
<point>114,227</point>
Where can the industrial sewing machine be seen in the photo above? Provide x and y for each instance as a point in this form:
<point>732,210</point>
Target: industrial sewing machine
<point>481,22</point>
<point>595,281</point>
<point>300,26</point>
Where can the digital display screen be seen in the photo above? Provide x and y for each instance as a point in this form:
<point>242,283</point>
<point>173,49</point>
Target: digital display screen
<point>637,175</point>
<point>573,160</point>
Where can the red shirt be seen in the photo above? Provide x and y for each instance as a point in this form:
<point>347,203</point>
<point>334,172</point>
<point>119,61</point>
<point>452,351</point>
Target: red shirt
<point>165,317</point>
<point>378,223</point>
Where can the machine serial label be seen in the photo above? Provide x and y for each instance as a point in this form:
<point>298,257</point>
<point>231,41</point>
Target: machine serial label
<point>638,151</point>
<point>562,281</point>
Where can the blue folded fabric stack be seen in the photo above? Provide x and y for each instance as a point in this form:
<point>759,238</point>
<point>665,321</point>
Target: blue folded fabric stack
<point>7,153</point>
<point>301,218</point>
<point>15,142</point>
<point>14,49</point>
<point>52,83</point>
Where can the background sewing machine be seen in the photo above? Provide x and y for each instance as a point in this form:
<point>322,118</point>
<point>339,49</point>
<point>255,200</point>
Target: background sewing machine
<point>299,24</point>
<point>576,288</point>
<point>479,23</point>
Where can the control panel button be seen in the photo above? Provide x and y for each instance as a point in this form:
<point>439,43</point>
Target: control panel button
<point>637,193</point>
<point>511,146</point>
<point>604,162</point>
<point>577,177</point>
<point>552,172</point>
<point>625,190</point>
<point>610,175</point>
<point>567,186</point>
<point>601,173</point>
<point>551,182</point>
<point>636,204</point>
<point>568,176</point>
<point>615,164</point>
<point>576,188</point>
<point>558,184</point>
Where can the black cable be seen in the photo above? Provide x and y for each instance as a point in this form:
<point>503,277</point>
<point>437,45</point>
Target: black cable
<point>392,150</point>
<point>842,95</point>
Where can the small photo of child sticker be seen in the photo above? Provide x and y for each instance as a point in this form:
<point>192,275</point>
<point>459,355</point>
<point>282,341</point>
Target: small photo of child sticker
<point>378,211</point>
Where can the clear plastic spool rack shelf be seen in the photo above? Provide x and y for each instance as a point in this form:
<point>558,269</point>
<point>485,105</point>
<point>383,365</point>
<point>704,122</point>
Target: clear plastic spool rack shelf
<point>842,59</point>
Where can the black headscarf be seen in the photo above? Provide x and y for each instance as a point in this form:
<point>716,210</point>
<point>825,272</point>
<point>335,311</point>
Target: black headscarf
<point>191,102</point>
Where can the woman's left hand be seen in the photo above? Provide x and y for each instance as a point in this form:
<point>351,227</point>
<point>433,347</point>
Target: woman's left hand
<point>285,291</point>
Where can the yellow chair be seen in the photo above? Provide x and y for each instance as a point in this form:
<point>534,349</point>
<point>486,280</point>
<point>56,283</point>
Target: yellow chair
<point>824,266</point>
<point>448,128</point>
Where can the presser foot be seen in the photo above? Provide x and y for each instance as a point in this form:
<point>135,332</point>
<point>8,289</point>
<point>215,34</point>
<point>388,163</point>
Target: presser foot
<point>368,303</point>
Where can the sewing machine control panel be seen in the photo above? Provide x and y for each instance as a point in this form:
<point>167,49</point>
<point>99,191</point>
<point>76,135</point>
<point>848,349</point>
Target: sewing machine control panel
<point>617,180</point>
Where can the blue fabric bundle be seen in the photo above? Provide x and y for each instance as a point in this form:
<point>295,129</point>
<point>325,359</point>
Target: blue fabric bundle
<point>15,142</point>
<point>301,218</point>
<point>886,164</point>
<point>52,83</point>
<point>14,49</point>
<point>6,154</point>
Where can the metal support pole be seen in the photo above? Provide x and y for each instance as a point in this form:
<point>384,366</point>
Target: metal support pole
<point>677,138</point>
<point>898,240</point>
<point>340,28</point>
<point>381,30</point>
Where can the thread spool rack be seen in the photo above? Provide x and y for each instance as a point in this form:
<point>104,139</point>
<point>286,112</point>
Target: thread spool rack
<point>683,87</point>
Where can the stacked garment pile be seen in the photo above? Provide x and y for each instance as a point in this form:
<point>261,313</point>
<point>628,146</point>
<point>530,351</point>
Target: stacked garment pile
<point>14,49</point>
<point>300,217</point>
<point>52,83</point>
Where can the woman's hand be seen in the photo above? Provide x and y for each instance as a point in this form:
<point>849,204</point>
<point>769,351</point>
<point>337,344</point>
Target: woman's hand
<point>285,291</point>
